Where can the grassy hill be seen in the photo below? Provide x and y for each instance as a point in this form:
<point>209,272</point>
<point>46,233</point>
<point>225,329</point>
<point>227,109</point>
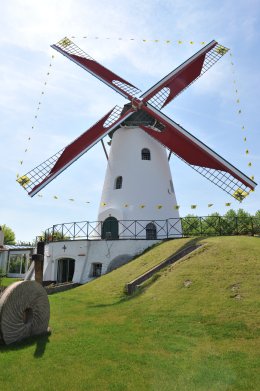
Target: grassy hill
<point>195,327</point>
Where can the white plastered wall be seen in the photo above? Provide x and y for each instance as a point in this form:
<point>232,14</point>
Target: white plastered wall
<point>86,253</point>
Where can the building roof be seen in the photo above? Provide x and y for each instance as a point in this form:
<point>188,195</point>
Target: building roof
<point>16,247</point>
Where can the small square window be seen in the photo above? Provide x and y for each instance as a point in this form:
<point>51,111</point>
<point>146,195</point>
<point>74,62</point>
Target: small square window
<point>119,182</point>
<point>146,155</point>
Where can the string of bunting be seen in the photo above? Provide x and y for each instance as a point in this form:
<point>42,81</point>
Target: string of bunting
<point>144,40</point>
<point>36,114</point>
<point>43,92</point>
<point>126,205</point>
<point>159,206</point>
<point>240,113</point>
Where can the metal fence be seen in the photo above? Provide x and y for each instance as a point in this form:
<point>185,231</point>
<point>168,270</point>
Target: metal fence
<point>162,229</point>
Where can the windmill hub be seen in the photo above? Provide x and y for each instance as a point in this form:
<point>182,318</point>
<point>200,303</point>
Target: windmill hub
<point>137,104</point>
<point>140,117</point>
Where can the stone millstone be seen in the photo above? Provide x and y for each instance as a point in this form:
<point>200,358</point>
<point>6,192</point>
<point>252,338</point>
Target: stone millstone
<point>24,311</point>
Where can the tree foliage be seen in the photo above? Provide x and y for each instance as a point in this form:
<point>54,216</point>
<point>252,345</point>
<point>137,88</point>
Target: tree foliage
<point>9,235</point>
<point>232,223</point>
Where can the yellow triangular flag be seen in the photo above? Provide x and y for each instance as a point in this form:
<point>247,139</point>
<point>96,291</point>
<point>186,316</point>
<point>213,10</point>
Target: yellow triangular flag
<point>240,194</point>
<point>23,180</point>
<point>221,50</point>
<point>65,42</point>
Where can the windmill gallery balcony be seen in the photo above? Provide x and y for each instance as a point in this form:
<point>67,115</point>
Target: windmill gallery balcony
<point>113,229</point>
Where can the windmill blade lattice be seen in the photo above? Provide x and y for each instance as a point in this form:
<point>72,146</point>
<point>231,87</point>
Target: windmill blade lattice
<point>38,174</point>
<point>223,180</point>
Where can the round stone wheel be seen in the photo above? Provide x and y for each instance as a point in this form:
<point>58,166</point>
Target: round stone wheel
<point>24,311</point>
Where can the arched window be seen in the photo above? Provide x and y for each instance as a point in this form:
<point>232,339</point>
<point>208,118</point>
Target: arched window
<point>146,154</point>
<point>118,182</point>
<point>151,231</point>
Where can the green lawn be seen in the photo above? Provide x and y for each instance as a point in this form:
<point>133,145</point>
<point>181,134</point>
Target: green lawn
<point>6,281</point>
<point>195,327</point>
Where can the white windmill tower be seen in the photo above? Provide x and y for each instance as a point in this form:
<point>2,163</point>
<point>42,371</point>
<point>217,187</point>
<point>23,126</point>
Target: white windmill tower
<point>138,184</point>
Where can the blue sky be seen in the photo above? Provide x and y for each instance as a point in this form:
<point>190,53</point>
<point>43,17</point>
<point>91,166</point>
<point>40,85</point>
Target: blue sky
<point>73,100</point>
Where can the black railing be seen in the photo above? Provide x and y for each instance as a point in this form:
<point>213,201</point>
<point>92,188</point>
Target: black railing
<point>163,229</point>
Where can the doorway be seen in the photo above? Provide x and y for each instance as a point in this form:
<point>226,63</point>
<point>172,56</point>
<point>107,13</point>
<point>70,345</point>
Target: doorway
<point>151,233</point>
<point>110,228</point>
<point>66,268</point>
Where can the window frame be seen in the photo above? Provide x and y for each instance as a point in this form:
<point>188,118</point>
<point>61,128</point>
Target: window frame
<point>118,182</point>
<point>146,154</point>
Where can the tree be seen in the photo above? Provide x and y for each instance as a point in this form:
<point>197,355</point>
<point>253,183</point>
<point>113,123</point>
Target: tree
<point>244,222</point>
<point>257,214</point>
<point>191,225</point>
<point>9,235</point>
<point>53,236</point>
<point>256,222</point>
<point>212,224</point>
<point>229,223</point>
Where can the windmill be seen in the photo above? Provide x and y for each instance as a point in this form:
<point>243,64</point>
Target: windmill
<point>138,181</point>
